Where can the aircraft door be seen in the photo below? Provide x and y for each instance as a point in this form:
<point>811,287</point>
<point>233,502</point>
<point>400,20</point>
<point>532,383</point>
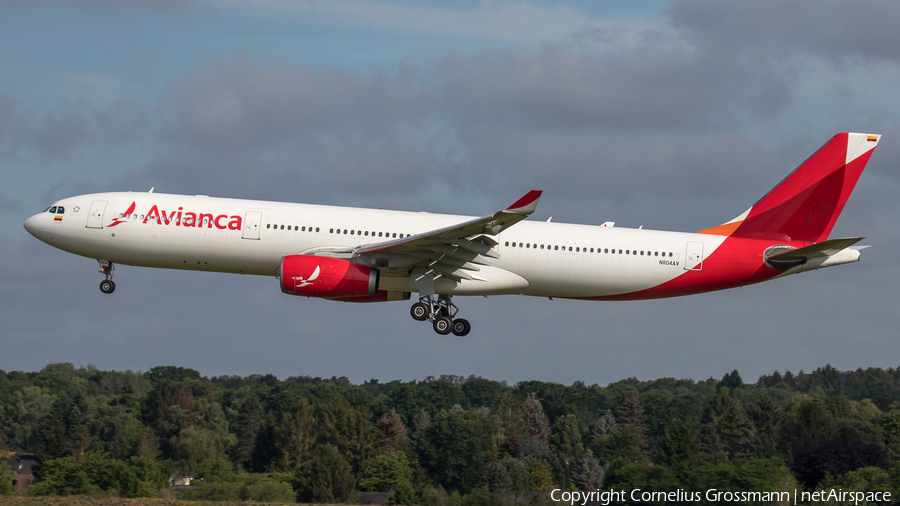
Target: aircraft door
<point>693,256</point>
<point>251,224</point>
<point>95,217</point>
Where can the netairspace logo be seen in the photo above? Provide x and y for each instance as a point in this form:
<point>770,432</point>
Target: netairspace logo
<point>637,495</point>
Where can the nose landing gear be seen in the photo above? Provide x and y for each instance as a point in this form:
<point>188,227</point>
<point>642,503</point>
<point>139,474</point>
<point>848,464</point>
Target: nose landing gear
<point>107,269</point>
<point>440,311</point>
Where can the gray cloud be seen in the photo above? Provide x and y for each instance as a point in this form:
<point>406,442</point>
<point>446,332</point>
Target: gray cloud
<point>840,32</point>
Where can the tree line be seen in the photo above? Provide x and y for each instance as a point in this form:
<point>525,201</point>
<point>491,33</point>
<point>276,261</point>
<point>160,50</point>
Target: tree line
<point>447,440</point>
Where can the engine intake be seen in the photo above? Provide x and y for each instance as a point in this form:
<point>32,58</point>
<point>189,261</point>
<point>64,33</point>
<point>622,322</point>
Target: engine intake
<point>326,277</point>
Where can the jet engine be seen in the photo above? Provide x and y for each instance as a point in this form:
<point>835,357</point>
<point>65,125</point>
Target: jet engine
<point>314,276</point>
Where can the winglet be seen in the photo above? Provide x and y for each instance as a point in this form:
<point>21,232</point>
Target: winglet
<point>526,204</point>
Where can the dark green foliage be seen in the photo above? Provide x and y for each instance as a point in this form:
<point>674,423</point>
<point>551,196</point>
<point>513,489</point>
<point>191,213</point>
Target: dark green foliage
<point>632,413</point>
<point>467,440</point>
<point>452,448</point>
<point>680,443</point>
<point>835,457</point>
<point>247,426</point>
<point>566,444</point>
<point>701,474</point>
<point>731,381</point>
<point>812,424</point>
<point>623,444</point>
<point>725,416</point>
<point>326,477</point>
<point>135,477</point>
<point>387,472</point>
<point>482,392</point>
<point>350,432</point>
<point>507,475</point>
<point>767,420</point>
<point>890,426</point>
<point>172,373</point>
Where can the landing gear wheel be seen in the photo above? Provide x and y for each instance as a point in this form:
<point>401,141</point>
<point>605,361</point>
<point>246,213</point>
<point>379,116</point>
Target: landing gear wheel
<point>419,311</point>
<point>461,327</point>
<point>443,325</point>
<point>107,286</point>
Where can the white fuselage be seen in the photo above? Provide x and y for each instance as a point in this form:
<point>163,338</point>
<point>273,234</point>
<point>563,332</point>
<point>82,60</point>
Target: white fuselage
<point>251,237</point>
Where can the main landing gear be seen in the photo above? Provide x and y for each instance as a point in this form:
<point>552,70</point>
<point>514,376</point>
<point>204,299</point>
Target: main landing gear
<point>440,311</point>
<point>107,269</point>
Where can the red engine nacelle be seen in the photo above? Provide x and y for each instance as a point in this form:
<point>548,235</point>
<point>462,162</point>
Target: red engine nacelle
<point>313,276</point>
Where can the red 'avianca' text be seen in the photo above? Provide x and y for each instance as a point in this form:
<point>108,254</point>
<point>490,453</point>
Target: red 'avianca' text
<point>189,219</point>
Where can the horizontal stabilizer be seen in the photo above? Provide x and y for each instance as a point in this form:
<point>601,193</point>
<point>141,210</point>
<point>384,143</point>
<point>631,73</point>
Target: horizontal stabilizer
<point>822,249</point>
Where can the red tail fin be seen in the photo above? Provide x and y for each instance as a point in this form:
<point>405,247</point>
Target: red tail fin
<point>807,203</point>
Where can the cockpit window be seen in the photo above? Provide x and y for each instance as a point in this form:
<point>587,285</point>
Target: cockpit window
<point>60,210</point>
<point>46,210</point>
<point>52,209</point>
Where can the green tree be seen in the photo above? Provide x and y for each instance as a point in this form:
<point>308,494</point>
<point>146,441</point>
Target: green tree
<point>725,415</point>
<point>452,448</point>
<point>511,416</point>
<point>566,442</point>
<point>117,432</point>
<point>811,424</point>
<point>890,426</point>
<point>678,444</point>
<point>325,477</point>
<point>541,479</point>
<point>623,443</point>
<point>249,422</point>
<point>171,373</point>
<point>350,432</point>
<point>294,436</point>
<point>767,419</point>
<point>387,471</point>
<point>195,445</point>
<point>54,445</point>
<point>136,477</point>
<point>6,475</point>
<point>24,414</point>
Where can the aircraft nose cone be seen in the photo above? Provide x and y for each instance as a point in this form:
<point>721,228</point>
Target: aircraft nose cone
<point>31,225</point>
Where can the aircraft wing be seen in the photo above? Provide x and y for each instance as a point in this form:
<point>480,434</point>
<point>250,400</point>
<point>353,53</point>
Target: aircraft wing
<point>454,251</point>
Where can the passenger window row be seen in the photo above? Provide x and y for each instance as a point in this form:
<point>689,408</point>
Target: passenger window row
<point>386,235</point>
<point>336,231</point>
<point>579,249</point>
<point>292,227</point>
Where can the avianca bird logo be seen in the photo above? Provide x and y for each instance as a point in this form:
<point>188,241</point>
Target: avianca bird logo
<point>128,212</point>
<point>299,282</point>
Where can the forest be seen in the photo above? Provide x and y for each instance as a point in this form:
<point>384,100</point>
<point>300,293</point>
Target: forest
<point>450,440</point>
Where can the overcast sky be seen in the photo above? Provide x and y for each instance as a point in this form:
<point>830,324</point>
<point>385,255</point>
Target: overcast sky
<point>669,115</point>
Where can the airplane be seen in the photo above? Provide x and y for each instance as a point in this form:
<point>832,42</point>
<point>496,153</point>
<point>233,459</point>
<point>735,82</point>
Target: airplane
<point>374,255</point>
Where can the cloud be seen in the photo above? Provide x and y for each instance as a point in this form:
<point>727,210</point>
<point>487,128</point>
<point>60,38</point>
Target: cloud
<point>488,19</point>
<point>840,32</point>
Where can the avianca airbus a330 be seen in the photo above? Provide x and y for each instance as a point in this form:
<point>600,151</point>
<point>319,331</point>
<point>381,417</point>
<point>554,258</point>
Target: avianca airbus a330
<point>374,255</point>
